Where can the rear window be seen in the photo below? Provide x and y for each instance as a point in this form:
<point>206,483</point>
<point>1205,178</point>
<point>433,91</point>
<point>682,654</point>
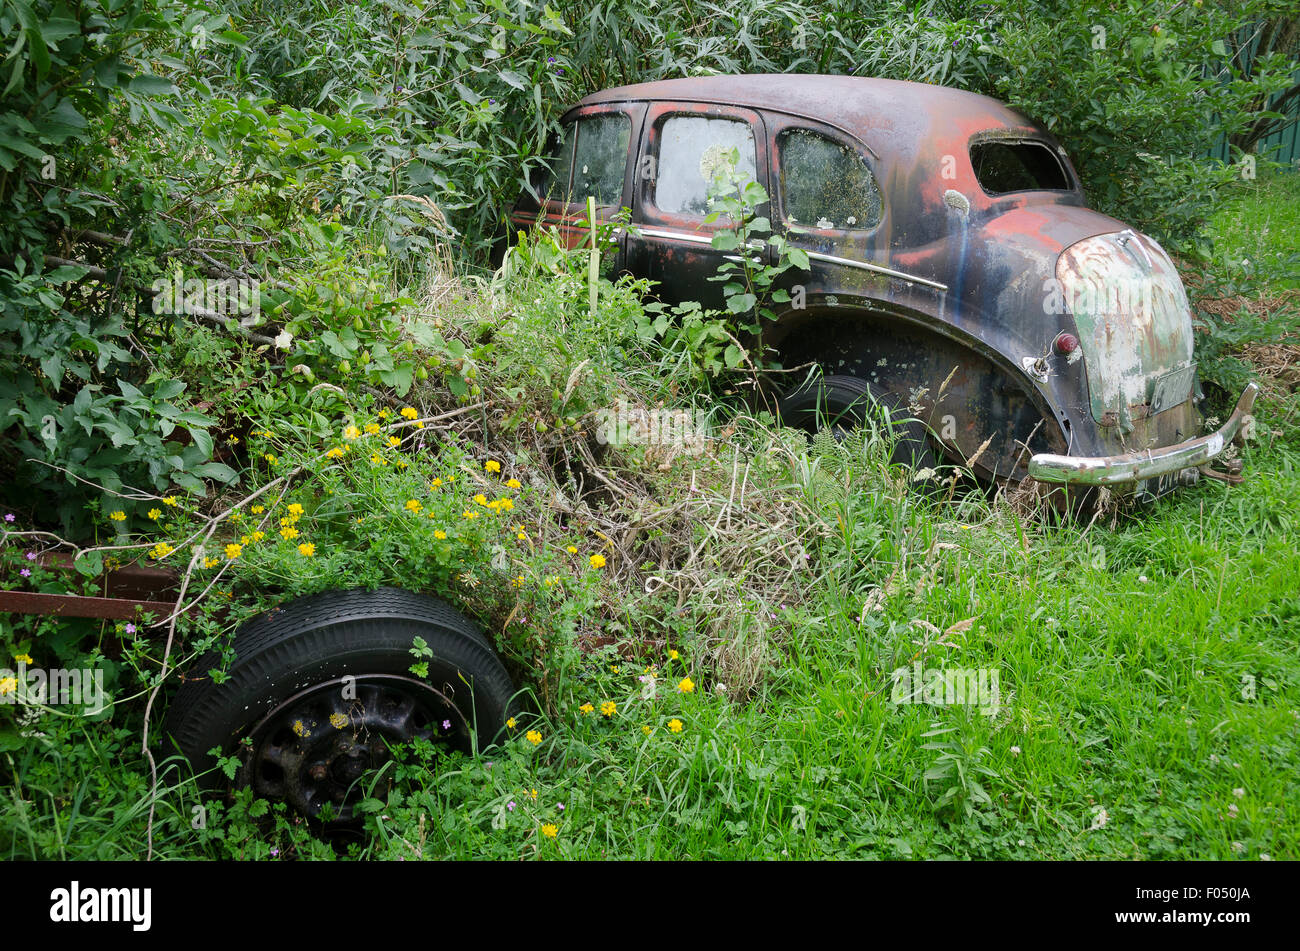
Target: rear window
<point>1002,167</point>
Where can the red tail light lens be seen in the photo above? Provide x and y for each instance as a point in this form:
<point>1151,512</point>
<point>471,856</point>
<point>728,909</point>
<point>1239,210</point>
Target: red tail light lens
<point>1066,344</point>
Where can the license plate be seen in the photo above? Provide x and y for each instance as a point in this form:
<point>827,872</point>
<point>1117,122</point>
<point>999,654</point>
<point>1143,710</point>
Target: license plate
<point>1148,490</point>
<point>1172,389</point>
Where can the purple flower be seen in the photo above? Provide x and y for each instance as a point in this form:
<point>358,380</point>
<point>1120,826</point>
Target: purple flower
<point>31,556</point>
<point>274,853</point>
<point>26,572</point>
<point>9,516</point>
<point>559,72</point>
<point>550,59</point>
<point>560,807</point>
<point>511,805</point>
<point>130,629</point>
<point>446,724</point>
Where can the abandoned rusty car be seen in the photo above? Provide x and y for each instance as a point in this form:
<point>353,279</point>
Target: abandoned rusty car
<point>955,271</point>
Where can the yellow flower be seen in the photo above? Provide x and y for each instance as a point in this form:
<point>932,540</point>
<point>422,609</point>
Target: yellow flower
<point>334,453</point>
<point>481,499</point>
<point>268,457</point>
<point>586,708</point>
<point>8,685</point>
<point>24,658</point>
<point>118,516</point>
<point>258,536</point>
<point>522,536</point>
<point>288,532</point>
<point>550,831</point>
<point>608,708</point>
<point>307,549</point>
<point>616,669</point>
<point>401,463</point>
<point>295,509</point>
<point>351,433</point>
<point>533,737</point>
<point>511,723</point>
<point>597,561</point>
<point>675,725</point>
<point>572,550</point>
<point>412,505</point>
<point>492,466</point>
<point>409,413</point>
<point>233,551</point>
<point>512,483</point>
<point>236,516</point>
<point>468,514</point>
<point>686,685</point>
<point>211,562</point>
<point>440,534</point>
<point>505,505</point>
<point>394,441</point>
<point>155,514</point>
<point>435,483</point>
<point>372,428</point>
<point>169,500</point>
<point>258,509</point>
<point>673,655</point>
<point>338,721</point>
<point>161,550</point>
<point>646,729</point>
<point>378,460</point>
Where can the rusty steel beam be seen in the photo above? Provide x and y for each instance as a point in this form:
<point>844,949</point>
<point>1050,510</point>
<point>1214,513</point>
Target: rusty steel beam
<point>74,605</point>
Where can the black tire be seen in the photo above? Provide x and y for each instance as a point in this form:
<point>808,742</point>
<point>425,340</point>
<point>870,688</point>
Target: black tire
<point>312,731</point>
<point>844,402</point>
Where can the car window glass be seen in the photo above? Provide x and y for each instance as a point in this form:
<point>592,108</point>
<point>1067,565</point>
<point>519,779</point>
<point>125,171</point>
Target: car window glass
<point>1017,166</point>
<point>553,184</point>
<point>825,184</point>
<point>693,155</point>
<point>600,158</point>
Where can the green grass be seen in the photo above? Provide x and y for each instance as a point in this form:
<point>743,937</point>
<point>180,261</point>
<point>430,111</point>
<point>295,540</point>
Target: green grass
<point>1258,231</point>
<point>1125,658</point>
<point>1148,672</point>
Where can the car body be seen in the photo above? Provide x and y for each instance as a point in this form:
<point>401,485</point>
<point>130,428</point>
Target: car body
<point>954,264</point>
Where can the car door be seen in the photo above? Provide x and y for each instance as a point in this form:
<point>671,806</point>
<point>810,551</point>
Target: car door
<point>593,156</point>
<point>682,148</point>
<point>828,203</point>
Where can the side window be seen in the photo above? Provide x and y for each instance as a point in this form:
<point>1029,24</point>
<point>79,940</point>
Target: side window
<point>591,159</point>
<point>825,184</point>
<point>692,153</point>
<point>600,158</point>
<point>554,184</point>
<point>1002,167</point>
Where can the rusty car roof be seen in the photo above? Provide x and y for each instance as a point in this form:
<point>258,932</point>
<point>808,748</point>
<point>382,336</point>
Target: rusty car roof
<point>887,114</point>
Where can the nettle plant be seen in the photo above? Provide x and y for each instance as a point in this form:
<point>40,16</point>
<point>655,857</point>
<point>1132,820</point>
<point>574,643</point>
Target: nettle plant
<point>715,340</point>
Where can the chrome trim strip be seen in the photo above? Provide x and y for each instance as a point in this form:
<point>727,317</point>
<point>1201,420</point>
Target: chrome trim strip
<point>678,235</point>
<point>867,266</point>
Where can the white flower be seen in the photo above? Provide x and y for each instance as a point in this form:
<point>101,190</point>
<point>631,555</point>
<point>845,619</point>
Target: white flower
<point>1099,819</point>
<point>1239,792</point>
<point>1015,751</point>
<point>283,339</point>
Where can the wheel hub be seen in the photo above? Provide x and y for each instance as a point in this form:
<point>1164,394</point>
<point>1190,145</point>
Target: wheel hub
<point>313,750</point>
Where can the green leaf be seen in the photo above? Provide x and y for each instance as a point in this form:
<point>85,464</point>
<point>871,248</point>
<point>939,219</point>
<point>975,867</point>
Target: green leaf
<point>149,85</point>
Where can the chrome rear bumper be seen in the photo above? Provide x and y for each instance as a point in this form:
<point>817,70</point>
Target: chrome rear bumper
<point>1149,463</point>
